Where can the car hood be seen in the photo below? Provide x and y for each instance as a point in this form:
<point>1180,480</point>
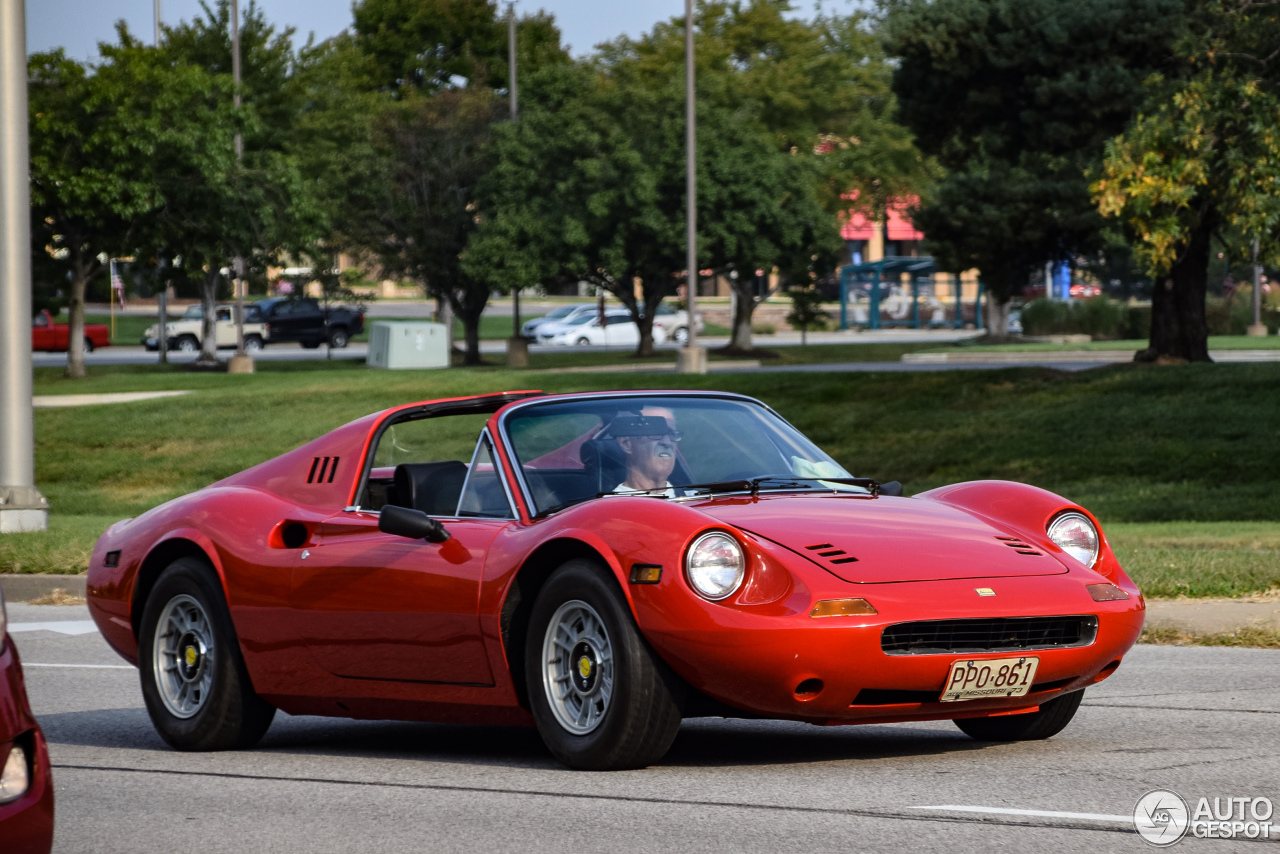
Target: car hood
<point>867,540</point>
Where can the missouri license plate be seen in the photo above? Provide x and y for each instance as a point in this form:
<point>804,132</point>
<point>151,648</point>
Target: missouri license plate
<point>974,679</point>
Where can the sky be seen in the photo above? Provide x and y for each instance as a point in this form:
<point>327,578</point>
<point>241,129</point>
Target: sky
<point>78,25</point>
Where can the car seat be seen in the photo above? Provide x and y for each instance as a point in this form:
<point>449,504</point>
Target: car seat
<point>433,488</point>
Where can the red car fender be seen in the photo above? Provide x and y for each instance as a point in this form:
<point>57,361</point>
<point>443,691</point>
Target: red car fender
<point>1028,510</point>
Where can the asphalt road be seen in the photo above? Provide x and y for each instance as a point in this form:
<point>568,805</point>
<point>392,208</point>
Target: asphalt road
<point>1200,721</point>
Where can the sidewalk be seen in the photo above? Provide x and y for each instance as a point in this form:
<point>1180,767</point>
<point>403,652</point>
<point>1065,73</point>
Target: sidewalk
<point>1092,357</point>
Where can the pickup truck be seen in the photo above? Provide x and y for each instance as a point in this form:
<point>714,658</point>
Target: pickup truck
<point>303,320</point>
<point>185,333</point>
<point>50,336</point>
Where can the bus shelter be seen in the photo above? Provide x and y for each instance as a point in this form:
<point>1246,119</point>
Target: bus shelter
<point>906,292</point>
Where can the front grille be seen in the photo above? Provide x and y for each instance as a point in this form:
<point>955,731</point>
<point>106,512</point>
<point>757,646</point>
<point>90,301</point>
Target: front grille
<point>999,634</point>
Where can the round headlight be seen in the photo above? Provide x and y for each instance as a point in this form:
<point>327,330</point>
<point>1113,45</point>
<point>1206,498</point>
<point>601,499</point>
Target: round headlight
<point>714,566</point>
<point>1076,536</point>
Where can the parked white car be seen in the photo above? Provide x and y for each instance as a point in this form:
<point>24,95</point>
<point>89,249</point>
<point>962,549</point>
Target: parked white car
<point>586,330</point>
<point>675,323</point>
<point>185,333</point>
<point>529,329</point>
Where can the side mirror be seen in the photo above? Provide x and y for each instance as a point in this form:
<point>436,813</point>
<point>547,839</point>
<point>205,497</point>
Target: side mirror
<point>414,524</point>
<point>892,488</point>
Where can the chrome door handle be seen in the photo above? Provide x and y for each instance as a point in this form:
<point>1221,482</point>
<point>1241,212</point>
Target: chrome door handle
<point>305,554</point>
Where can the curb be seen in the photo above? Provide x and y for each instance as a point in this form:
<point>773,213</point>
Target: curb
<point>24,588</point>
<point>1050,357</point>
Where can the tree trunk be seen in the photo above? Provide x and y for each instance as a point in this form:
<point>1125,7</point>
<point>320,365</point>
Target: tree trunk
<point>208,326</point>
<point>75,331</point>
<point>1179,328</point>
<point>744,306</point>
<point>997,317</point>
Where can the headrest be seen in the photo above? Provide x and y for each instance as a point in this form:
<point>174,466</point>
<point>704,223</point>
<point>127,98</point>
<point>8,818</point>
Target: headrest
<point>433,488</point>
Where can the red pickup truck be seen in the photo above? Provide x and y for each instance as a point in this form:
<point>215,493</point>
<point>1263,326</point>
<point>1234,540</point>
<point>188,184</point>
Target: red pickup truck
<point>49,335</point>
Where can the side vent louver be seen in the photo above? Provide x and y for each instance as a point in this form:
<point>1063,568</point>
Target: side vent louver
<point>322,469</point>
<point>831,553</point>
<point>1018,545</point>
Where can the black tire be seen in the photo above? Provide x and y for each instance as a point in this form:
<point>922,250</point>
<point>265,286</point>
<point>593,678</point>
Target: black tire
<point>641,716</point>
<point>227,715</point>
<point>187,344</point>
<point>1052,719</point>
<point>681,335</point>
<point>583,342</point>
<point>253,343</point>
<point>338,338</point>
<point>88,345</point>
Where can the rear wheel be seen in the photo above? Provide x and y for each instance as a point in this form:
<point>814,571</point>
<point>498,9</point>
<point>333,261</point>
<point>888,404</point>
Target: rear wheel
<point>188,344</point>
<point>602,699</point>
<point>1052,719</point>
<point>194,682</point>
<point>681,335</point>
<point>583,342</point>
<point>252,343</point>
<point>88,345</point>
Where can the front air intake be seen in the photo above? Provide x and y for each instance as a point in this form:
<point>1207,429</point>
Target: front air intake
<point>997,634</point>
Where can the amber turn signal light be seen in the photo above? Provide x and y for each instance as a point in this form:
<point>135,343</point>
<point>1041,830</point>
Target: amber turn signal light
<point>1106,592</point>
<point>646,573</point>
<point>843,608</point>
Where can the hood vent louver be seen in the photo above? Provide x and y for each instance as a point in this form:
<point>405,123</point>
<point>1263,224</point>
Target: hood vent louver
<point>1019,546</point>
<point>323,469</point>
<point>831,553</point>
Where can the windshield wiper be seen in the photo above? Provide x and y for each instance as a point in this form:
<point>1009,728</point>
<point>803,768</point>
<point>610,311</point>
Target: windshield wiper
<point>752,485</point>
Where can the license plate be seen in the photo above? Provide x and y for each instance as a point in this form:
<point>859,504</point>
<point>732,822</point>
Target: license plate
<point>975,679</point>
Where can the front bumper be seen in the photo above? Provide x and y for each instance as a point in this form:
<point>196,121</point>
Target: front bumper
<point>766,662</point>
<point>26,824</point>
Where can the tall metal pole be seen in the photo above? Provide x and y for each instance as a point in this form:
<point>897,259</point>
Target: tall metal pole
<point>22,507</point>
<point>157,35</point>
<point>692,359</point>
<point>1257,329</point>
<point>240,363</point>
<point>515,114</point>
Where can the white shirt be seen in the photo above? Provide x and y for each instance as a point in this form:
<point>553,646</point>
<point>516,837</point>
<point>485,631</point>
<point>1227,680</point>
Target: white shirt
<point>670,493</point>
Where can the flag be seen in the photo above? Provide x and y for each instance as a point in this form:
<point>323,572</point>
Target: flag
<point>117,284</point>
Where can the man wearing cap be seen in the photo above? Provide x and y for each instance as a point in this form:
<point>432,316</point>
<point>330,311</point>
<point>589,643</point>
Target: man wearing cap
<point>649,442</point>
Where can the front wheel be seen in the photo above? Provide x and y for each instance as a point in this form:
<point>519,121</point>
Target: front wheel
<point>252,343</point>
<point>88,345</point>
<point>338,339</point>
<point>1052,719</point>
<point>583,342</point>
<point>188,344</point>
<point>602,699</point>
<point>194,682</point>
<point>681,335</point>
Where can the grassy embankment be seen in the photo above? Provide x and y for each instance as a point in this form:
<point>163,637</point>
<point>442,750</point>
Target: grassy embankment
<point>1182,465</point>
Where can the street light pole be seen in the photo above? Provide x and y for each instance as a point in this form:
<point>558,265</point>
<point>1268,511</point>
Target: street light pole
<point>1257,329</point>
<point>157,32</point>
<point>22,507</point>
<point>517,347</point>
<point>241,362</point>
<point>692,359</point>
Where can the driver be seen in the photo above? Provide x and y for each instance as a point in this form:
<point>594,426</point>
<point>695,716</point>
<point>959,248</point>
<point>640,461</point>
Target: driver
<point>649,442</point>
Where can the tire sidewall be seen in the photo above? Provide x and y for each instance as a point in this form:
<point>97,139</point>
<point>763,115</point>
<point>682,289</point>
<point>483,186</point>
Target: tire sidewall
<point>586,581</point>
<point>338,338</point>
<point>192,577</point>
<point>253,343</point>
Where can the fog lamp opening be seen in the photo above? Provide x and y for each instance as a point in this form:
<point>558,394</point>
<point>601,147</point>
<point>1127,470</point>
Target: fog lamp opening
<point>808,689</point>
<point>843,608</point>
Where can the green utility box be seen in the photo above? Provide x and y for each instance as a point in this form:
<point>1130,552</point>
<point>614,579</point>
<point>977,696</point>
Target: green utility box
<point>408,344</point>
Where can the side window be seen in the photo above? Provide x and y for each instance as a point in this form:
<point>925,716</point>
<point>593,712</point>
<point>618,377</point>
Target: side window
<point>224,315</point>
<point>40,320</point>
<point>483,494</point>
<point>422,463</point>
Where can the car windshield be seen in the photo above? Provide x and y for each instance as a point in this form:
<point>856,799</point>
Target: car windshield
<point>193,312</point>
<point>561,311</point>
<point>580,319</point>
<point>670,446</point>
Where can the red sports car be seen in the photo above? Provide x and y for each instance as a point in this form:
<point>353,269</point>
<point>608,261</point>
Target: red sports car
<point>602,565</point>
<point>26,787</point>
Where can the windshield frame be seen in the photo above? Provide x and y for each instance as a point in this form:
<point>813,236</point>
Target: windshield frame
<point>517,470</point>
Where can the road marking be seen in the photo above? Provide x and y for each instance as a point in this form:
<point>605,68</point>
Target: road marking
<point>636,799</point>
<point>90,666</point>
<point>1082,816</point>
<point>62,627</point>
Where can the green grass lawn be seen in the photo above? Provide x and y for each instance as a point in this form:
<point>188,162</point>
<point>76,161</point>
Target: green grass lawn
<point>1181,464</point>
<point>129,327</point>
<point>1216,342</point>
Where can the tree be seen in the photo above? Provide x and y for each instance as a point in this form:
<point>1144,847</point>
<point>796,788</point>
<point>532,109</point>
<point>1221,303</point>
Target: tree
<point>806,311</point>
<point>99,139</point>
<point>420,211</point>
<point>1015,99</point>
<point>1202,156</point>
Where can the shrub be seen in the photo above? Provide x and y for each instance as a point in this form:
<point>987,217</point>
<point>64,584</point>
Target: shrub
<point>764,329</point>
<point>1101,318</point>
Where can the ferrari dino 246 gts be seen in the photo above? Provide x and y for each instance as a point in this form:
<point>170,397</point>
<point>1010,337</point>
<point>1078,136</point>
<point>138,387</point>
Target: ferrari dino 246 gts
<point>602,565</point>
